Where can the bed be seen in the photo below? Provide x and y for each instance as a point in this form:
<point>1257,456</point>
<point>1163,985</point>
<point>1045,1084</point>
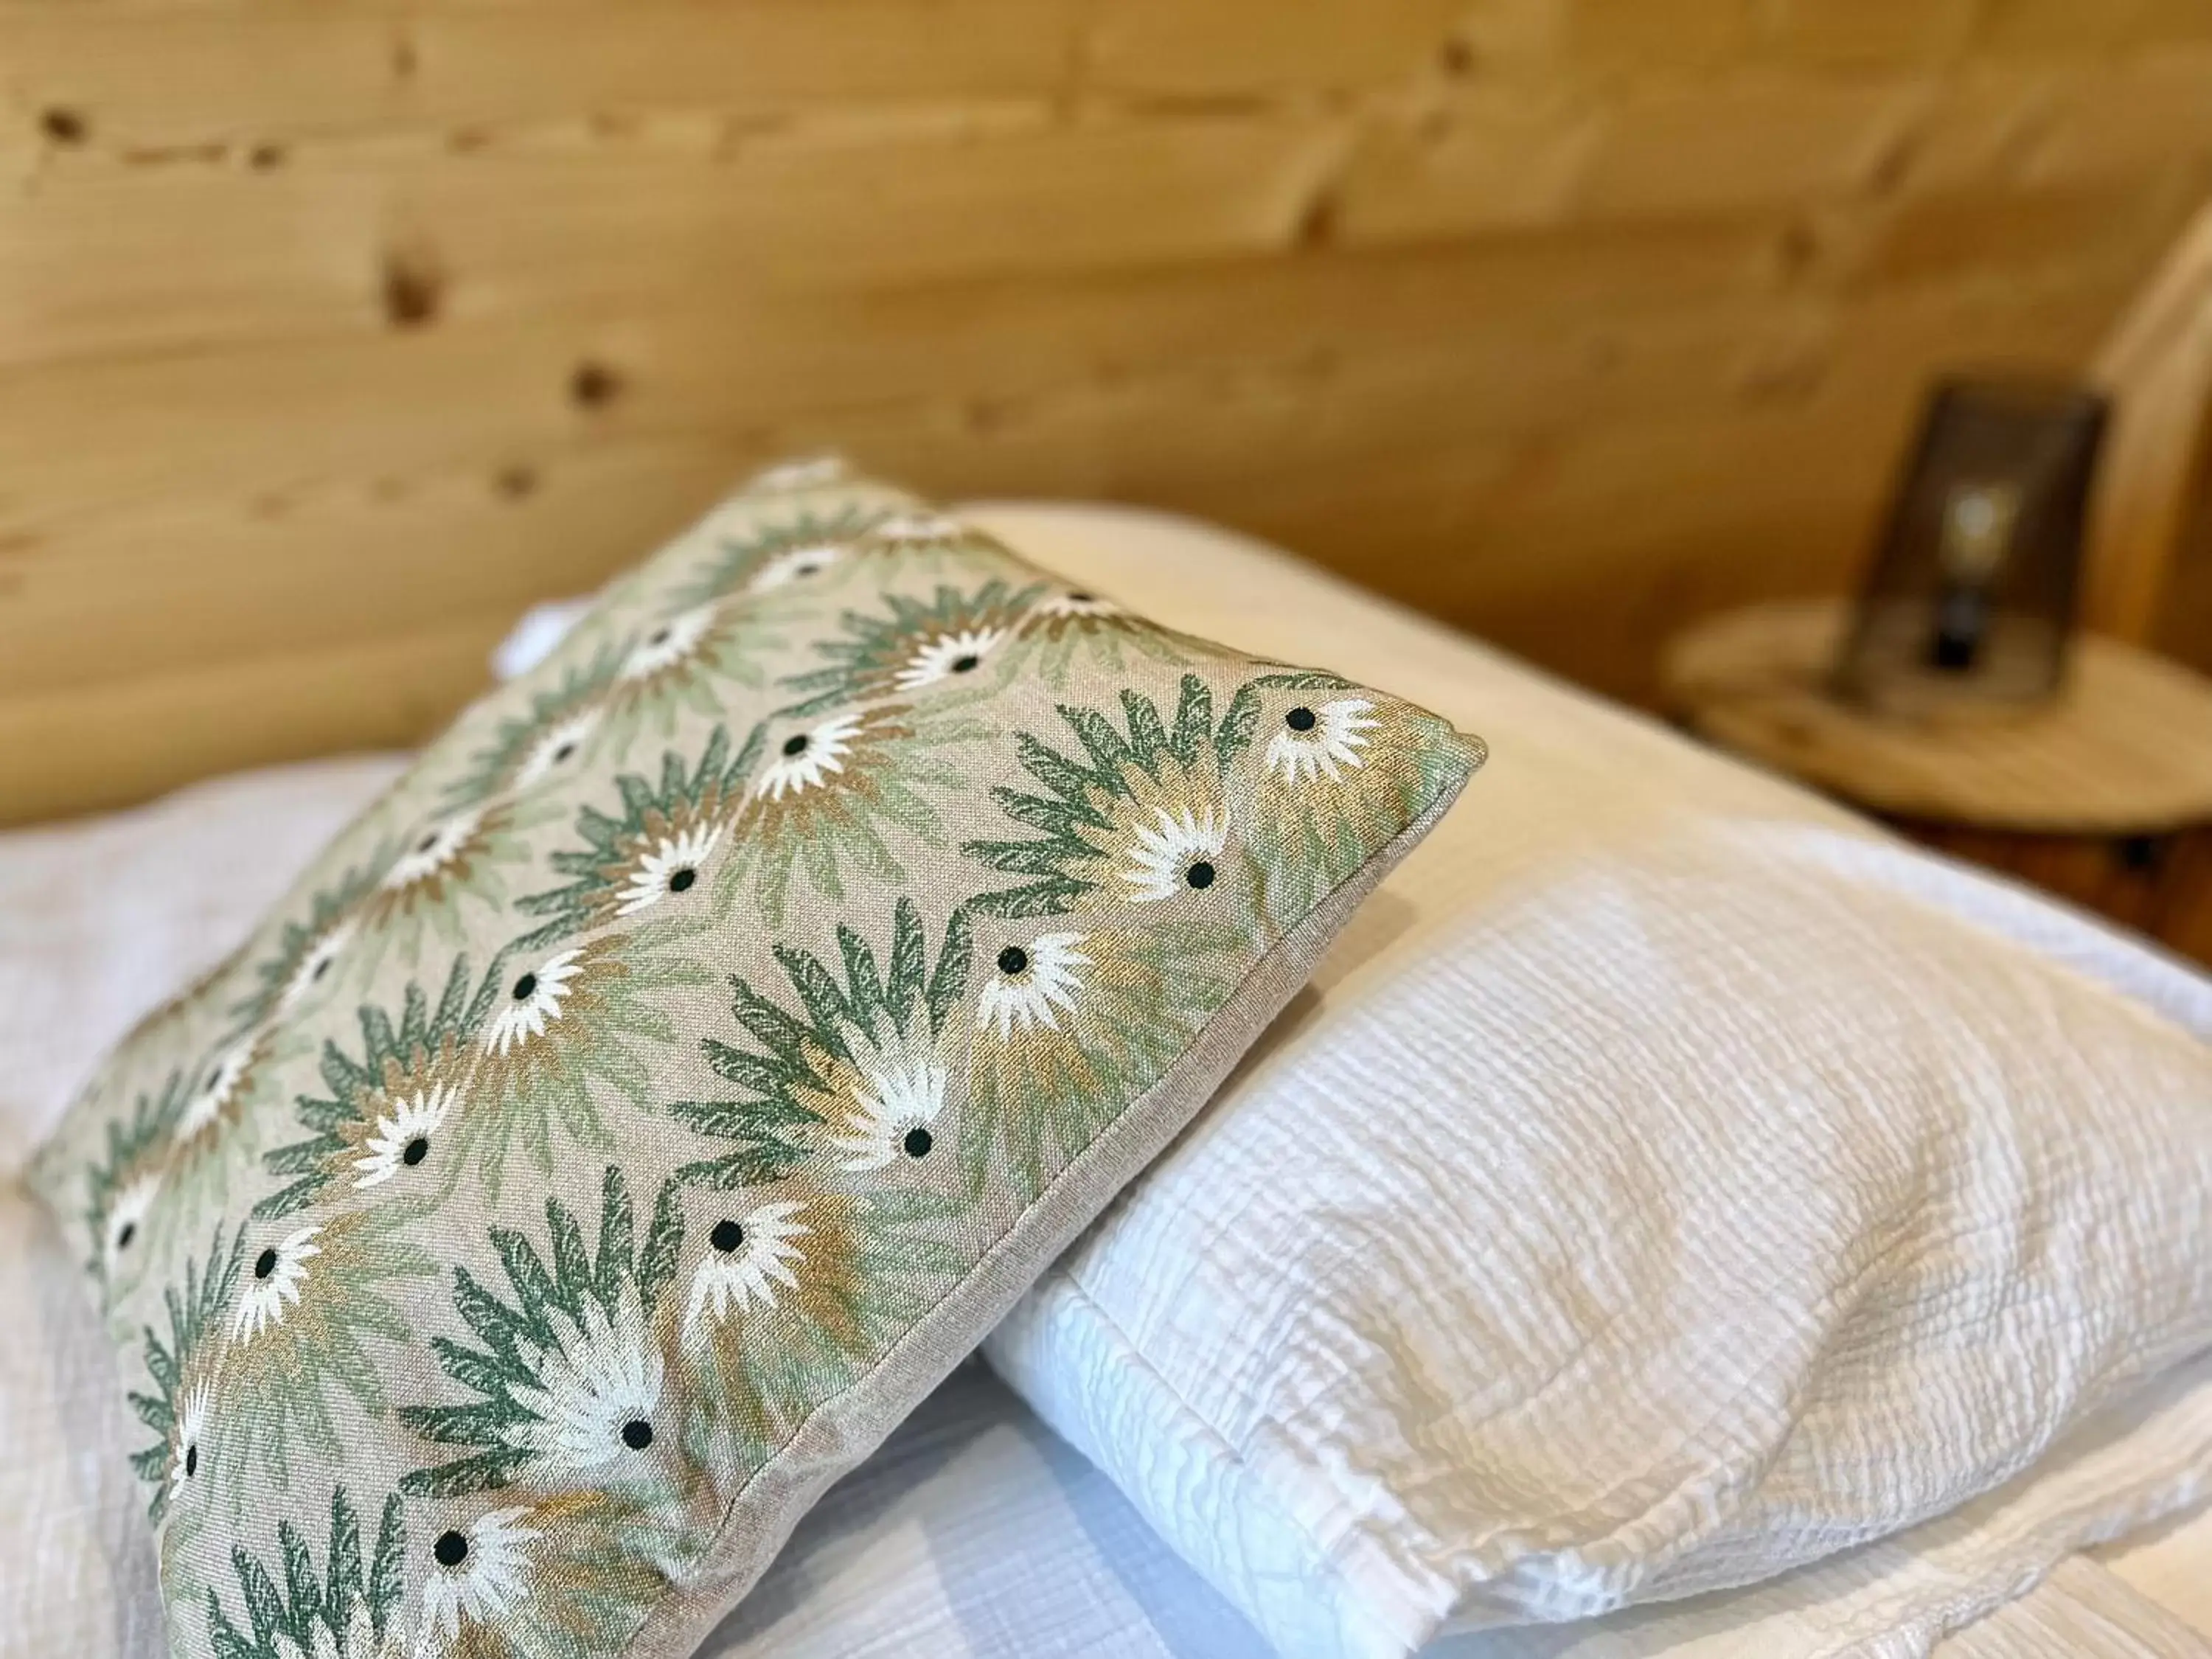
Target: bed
<point>974,1533</point>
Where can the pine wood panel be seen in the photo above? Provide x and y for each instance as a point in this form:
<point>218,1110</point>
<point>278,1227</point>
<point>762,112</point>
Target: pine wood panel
<point>477,515</point>
<point>329,334</point>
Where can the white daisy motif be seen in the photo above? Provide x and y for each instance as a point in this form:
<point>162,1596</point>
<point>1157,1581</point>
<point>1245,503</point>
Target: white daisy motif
<point>1033,984</point>
<point>274,1284</point>
<point>1313,741</point>
<point>925,528</point>
<point>315,967</point>
<point>668,643</point>
<point>1176,852</point>
<point>670,867</point>
<point>948,654</point>
<point>595,1395</point>
<point>126,1214</point>
<point>534,1002</point>
<point>481,1571</point>
<point>556,747</point>
<point>431,851</point>
<point>748,1258</point>
<point>795,564</point>
<point>891,1113</point>
<point>191,1429</point>
<point>804,759</point>
<point>216,1090</point>
<point>400,1138</point>
<point>808,472</point>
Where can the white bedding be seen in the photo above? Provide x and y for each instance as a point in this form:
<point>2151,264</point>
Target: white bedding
<point>972,1535</point>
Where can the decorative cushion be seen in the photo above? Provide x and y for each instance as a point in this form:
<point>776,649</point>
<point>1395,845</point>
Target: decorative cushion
<point>635,1112</point>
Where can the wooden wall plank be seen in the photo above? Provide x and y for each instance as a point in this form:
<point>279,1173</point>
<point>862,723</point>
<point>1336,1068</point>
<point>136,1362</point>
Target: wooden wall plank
<point>2136,114</point>
<point>1948,236</point>
<point>1609,39</point>
<point>120,741</point>
<point>1754,139</point>
<point>121,430</point>
<point>1173,48</point>
<point>1867,33</point>
<point>164,81</point>
<point>222,253</point>
<point>1586,436</point>
<point>1568,320</point>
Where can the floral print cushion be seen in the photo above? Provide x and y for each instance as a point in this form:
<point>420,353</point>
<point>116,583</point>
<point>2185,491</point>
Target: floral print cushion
<point>635,1112</point>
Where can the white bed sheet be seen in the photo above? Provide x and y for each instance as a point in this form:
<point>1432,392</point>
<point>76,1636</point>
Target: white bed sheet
<point>973,1533</point>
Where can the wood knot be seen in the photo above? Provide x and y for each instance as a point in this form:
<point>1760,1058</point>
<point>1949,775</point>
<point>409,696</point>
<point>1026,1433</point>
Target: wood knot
<point>593,384</point>
<point>414,288</point>
<point>64,125</point>
<point>1316,223</point>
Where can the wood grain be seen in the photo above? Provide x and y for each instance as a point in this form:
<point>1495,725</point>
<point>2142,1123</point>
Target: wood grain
<point>330,335</point>
<point>2156,367</point>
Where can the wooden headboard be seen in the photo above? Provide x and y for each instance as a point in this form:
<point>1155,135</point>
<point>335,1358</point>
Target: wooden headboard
<point>330,335</point>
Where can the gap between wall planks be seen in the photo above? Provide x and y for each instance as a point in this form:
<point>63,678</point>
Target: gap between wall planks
<point>330,337</point>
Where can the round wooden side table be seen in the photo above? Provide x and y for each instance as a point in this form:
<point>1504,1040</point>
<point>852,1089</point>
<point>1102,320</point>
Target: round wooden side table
<point>2102,797</point>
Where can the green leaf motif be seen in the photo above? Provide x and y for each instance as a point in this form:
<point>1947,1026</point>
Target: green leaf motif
<point>550,735</point>
<point>910,644</point>
<point>741,558</point>
<point>180,1365</point>
<point>1101,809</point>
<point>407,1072</point>
<point>310,1323</point>
<point>865,1043</point>
<point>340,1610</point>
<point>564,1363</point>
<point>663,833</point>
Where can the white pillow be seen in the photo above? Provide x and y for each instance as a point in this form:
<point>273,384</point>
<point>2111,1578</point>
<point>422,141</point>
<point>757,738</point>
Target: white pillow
<point>1667,1180</point>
